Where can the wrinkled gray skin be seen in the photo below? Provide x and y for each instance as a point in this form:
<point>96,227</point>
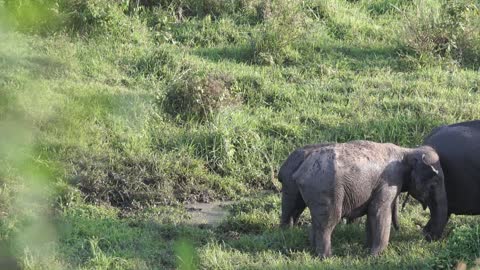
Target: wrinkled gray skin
<point>365,178</point>
<point>458,146</point>
<point>293,204</point>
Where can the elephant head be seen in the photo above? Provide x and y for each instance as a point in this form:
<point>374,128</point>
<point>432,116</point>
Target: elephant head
<point>426,184</point>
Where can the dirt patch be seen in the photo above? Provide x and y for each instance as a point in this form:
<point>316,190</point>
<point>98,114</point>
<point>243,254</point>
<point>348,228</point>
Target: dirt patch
<point>208,213</point>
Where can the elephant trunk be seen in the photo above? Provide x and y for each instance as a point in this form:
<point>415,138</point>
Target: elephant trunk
<point>438,213</point>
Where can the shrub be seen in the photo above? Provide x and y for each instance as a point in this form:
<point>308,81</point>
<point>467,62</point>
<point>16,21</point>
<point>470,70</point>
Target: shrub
<point>284,24</point>
<point>199,96</point>
<point>449,30</point>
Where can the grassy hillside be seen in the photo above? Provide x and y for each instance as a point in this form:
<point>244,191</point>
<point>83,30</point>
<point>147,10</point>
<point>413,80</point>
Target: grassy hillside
<point>114,114</point>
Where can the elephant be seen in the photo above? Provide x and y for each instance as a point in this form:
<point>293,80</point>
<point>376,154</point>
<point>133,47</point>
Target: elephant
<point>458,146</point>
<point>364,178</point>
<point>293,204</point>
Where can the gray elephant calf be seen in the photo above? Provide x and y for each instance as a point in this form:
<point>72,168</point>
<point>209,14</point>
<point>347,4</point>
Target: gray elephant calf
<point>293,204</point>
<point>360,177</point>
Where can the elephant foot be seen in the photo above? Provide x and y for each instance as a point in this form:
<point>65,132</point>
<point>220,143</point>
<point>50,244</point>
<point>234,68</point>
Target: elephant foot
<point>325,254</point>
<point>376,252</point>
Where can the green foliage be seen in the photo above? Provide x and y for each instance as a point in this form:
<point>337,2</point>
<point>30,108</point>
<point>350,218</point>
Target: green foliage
<point>344,20</point>
<point>253,216</point>
<point>186,255</point>
<point>85,15</point>
<point>382,7</point>
<point>207,32</point>
<point>33,16</point>
<point>446,30</point>
<point>284,23</point>
<point>129,111</point>
<point>463,245</point>
<point>160,64</point>
<point>184,9</point>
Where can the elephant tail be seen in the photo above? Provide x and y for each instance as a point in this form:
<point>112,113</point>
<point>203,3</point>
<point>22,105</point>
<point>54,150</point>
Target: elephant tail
<point>396,226</point>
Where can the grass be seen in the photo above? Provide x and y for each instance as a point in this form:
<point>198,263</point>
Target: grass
<point>97,156</point>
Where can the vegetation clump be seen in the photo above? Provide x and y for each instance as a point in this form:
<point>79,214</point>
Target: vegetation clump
<point>283,24</point>
<point>449,29</point>
<point>197,96</point>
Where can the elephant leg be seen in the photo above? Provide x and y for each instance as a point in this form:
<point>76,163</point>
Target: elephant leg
<point>299,208</point>
<point>321,236</point>
<point>292,207</point>
<point>323,223</point>
<point>369,232</point>
<point>379,219</point>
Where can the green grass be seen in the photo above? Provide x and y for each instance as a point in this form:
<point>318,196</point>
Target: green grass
<point>98,157</point>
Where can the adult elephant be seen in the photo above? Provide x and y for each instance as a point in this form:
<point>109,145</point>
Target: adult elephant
<point>458,146</point>
<point>357,178</point>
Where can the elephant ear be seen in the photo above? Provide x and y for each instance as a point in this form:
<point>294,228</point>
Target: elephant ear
<point>431,166</point>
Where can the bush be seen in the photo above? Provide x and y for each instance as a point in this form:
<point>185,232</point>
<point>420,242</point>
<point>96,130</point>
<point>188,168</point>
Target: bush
<point>199,96</point>
<point>284,22</point>
<point>449,30</point>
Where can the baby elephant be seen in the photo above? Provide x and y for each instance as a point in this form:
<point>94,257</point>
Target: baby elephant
<point>292,201</point>
<point>361,177</point>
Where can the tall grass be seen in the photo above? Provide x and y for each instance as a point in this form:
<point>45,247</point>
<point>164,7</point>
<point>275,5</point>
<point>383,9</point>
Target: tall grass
<point>130,109</point>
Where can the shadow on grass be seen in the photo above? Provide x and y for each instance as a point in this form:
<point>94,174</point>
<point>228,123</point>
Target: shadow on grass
<point>139,243</point>
<point>350,57</point>
<point>360,58</point>
<point>37,66</point>
<point>237,54</point>
<point>292,251</point>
